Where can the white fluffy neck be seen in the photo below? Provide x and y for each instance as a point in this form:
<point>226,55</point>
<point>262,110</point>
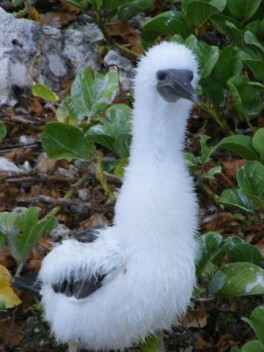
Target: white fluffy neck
<point>157,192</point>
<point>158,129</point>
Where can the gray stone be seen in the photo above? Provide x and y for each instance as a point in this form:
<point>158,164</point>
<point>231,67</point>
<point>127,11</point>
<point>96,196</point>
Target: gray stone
<point>31,52</point>
<point>123,66</point>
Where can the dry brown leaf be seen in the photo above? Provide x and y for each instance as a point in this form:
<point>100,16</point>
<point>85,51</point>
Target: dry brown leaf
<point>95,220</point>
<point>196,317</point>
<point>58,19</point>
<point>230,167</point>
<point>11,333</point>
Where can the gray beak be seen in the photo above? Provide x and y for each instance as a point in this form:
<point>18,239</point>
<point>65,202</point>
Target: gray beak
<point>173,85</point>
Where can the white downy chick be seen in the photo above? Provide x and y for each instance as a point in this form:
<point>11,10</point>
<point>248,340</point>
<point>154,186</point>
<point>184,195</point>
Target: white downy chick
<point>122,283</point>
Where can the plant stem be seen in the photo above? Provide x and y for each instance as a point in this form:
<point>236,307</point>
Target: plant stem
<point>68,195</point>
<point>19,269</point>
<point>101,178</point>
<point>217,119</point>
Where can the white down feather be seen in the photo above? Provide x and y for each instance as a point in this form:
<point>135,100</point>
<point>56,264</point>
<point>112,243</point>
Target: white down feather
<point>150,251</point>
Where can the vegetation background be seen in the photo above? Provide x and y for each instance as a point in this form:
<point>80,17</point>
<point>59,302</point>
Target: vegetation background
<point>86,138</point>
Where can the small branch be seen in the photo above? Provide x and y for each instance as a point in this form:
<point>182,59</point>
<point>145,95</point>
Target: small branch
<point>68,195</point>
<point>101,178</point>
<point>19,269</point>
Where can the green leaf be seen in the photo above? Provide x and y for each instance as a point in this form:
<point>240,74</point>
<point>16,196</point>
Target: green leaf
<point>2,131</point>
<point>246,98</point>
<point>229,64</point>
<point>245,252</point>
<point>210,248</point>
<point>250,179</point>
<point>258,141</point>
<point>81,5</point>
<point>238,279</point>
<point>44,92</point>
<point>212,172</point>
<point>253,346</point>
<point>2,241</point>
<point>234,33</point>
<point>205,150</point>
<point>241,145</point>
<point>23,223</point>
<point>170,22</point>
<point>235,197</point>
<point>251,39</point>
<point>150,344</point>
<point>256,322</point>
<point>132,8</point>
<point>27,241</point>
<point>243,10</point>
<point>7,221</point>
<point>207,55</point>
<point>257,67</point>
<point>109,5</point>
<point>3,306</point>
<point>91,94</point>
<point>27,219</point>
<point>199,12</point>
<point>60,140</point>
<point>120,168</point>
<point>114,132</point>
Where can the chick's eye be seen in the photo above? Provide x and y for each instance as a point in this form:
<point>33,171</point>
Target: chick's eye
<point>161,75</point>
<point>191,76</point>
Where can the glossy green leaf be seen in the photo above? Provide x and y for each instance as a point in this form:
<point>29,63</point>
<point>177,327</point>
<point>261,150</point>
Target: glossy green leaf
<point>246,98</point>
<point>44,92</point>
<point>2,131</point>
<point>229,64</point>
<point>242,10</point>
<point>170,22</point>
<point>220,20</point>
<point>91,94</point>
<point>234,33</point>
<point>258,141</point>
<point>250,179</point>
<point>256,322</point>
<point>210,248</point>
<point>238,279</point>
<point>251,39</point>
<point>207,55</point>
<point>131,8</point>
<point>199,12</point>
<point>109,5</point>
<point>257,67</point>
<point>240,144</point>
<point>245,252</point>
<point>61,140</point>
<point>235,197</point>
<point>114,132</point>
<point>253,346</point>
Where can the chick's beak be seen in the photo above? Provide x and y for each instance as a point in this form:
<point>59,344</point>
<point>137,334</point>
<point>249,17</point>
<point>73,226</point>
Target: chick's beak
<point>177,85</point>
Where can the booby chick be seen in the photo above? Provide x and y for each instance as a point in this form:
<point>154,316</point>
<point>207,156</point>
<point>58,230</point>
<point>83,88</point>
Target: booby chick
<point>136,277</point>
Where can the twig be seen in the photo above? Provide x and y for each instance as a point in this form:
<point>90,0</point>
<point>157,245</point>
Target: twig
<point>68,195</point>
<point>101,178</point>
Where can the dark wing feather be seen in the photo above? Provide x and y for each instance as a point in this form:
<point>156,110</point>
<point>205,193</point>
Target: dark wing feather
<point>87,235</point>
<point>84,287</point>
<point>79,288</point>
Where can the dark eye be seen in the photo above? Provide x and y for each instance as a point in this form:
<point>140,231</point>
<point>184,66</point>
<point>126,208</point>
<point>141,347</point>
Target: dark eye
<point>191,76</point>
<point>161,75</point>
